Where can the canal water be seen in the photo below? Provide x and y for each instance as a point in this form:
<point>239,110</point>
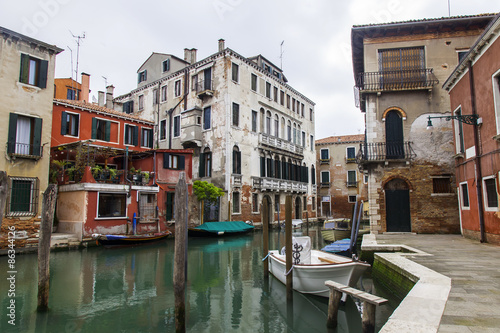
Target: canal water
<point>130,289</point>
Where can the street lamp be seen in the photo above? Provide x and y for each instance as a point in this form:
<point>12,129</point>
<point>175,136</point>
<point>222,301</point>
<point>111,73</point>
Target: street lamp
<point>470,119</point>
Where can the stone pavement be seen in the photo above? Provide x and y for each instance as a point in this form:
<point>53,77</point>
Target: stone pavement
<point>474,301</point>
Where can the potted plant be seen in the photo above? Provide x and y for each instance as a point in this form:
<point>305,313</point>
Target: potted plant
<point>96,171</point>
<point>145,177</point>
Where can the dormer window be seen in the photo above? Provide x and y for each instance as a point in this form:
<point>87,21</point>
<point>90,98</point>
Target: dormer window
<point>142,76</point>
<point>166,65</point>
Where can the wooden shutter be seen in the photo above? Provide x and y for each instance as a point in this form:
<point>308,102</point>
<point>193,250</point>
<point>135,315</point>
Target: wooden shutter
<point>313,176</point>
<point>42,74</point>
<point>135,139</point>
<point>150,143</point>
<point>24,73</point>
<point>108,131</point>
<point>262,166</point>
<point>64,123</point>
<point>94,128</point>
<point>202,165</point>
<point>182,162</point>
<point>11,146</point>
<point>166,158</point>
<point>37,137</point>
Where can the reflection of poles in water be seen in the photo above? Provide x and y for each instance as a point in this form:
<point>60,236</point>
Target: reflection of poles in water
<point>288,244</point>
<point>279,227</point>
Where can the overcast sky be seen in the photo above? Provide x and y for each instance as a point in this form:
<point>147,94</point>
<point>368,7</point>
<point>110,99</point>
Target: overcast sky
<point>121,35</point>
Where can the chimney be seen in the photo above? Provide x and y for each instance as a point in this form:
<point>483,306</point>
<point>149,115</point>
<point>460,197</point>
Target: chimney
<point>190,56</point>
<point>222,45</point>
<point>84,95</point>
<point>100,96</point>
<point>109,96</point>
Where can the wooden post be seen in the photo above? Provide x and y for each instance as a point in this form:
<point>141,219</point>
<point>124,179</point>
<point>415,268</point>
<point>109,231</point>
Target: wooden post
<point>265,229</point>
<point>333,308</point>
<point>289,247</point>
<point>180,252</point>
<point>4,185</point>
<point>48,206</point>
<point>368,317</point>
<point>307,223</point>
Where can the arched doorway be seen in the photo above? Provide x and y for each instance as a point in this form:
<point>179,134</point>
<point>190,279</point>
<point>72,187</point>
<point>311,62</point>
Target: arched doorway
<point>397,206</point>
<point>394,135</point>
<point>298,204</point>
<point>267,210</point>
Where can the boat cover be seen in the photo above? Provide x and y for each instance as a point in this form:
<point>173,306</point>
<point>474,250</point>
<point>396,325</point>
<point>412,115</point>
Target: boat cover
<point>338,246</point>
<point>226,227</point>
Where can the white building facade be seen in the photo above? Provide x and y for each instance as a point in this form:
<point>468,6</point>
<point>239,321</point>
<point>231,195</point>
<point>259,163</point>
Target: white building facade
<point>251,132</point>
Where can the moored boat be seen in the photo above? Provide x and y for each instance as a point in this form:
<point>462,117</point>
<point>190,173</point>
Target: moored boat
<point>336,229</point>
<point>312,268</point>
<point>213,229</point>
<point>107,239</point>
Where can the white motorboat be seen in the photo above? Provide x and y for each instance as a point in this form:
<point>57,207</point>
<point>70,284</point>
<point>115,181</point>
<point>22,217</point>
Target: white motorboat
<point>311,268</point>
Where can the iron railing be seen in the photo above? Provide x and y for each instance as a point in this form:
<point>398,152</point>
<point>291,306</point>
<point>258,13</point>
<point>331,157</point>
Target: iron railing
<point>203,85</point>
<point>24,149</point>
<point>384,151</point>
<point>396,80</point>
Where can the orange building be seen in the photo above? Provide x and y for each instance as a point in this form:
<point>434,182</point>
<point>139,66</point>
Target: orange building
<point>67,88</point>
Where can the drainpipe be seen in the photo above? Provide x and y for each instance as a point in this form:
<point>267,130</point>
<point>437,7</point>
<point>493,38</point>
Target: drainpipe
<point>477,159</point>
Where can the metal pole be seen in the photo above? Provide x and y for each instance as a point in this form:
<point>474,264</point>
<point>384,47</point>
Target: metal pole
<point>265,229</point>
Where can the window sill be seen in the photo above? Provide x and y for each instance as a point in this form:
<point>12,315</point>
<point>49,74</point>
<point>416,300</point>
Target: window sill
<point>27,157</point>
<point>111,218</point>
<point>496,137</point>
<point>442,194</point>
<point>29,87</point>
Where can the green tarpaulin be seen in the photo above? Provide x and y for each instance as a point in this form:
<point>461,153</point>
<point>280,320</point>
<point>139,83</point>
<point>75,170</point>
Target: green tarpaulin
<point>226,227</point>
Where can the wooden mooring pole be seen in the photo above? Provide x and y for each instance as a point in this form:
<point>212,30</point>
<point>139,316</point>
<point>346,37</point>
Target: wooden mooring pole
<point>370,302</point>
<point>289,248</point>
<point>265,229</point>
<point>180,252</point>
<point>48,206</point>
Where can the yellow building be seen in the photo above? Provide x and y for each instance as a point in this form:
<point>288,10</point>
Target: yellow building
<point>26,93</point>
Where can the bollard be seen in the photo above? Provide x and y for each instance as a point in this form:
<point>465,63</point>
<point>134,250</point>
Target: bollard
<point>289,247</point>
<point>180,253</point>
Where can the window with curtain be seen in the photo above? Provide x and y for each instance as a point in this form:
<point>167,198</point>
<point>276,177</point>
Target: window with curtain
<point>25,135</point>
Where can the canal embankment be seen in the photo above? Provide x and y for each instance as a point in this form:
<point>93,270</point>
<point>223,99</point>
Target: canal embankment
<point>456,283</point>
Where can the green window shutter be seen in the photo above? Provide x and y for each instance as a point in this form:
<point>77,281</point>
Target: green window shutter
<point>313,177</point>
<point>25,63</point>
<point>94,128</point>
<point>108,131</point>
<point>165,160</point>
<point>262,166</point>
<point>37,137</point>
<point>150,138</point>
<point>202,165</point>
<point>238,160</point>
<point>42,74</point>
<point>11,146</point>
<point>182,162</point>
<point>234,161</point>
<point>127,139</point>
<point>64,123</point>
<point>209,171</point>
<point>135,140</point>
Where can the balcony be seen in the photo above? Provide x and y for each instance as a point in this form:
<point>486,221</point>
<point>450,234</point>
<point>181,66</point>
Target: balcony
<point>24,150</point>
<point>324,161</point>
<point>237,180</point>
<point>324,185</point>
<point>414,79</point>
<point>279,185</point>
<point>384,152</point>
<point>350,183</point>
<point>280,144</point>
<point>314,189</point>
<point>204,88</point>
<point>350,159</point>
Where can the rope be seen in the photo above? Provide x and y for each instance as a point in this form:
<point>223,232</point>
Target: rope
<point>289,271</point>
<point>266,256</point>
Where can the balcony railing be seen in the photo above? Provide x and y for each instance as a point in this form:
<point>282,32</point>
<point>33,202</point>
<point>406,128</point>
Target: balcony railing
<point>279,185</point>
<point>396,80</point>
<point>324,161</point>
<point>25,150</point>
<point>237,180</point>
<point>382,152</point>
<point>351,183</point>
<point>203,87</point>
<point>274,142</point>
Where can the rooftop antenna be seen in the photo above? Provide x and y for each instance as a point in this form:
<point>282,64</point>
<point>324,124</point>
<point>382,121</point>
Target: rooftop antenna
<point>72,82</point>
<point>449,8</point>
<point>105,82</point>
<point>281,55</point>
<point>78,40</point>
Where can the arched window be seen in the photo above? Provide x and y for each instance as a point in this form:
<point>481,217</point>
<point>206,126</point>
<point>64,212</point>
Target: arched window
<point>294,133</point>
<point>276,126</point>
<point>262,120</point>
<point>268,123</point>
<point>283,127</point>
<point>289,131</point>
<point>298,135</point>
<point>205,163</point>
<point>313,175</point>
<point>236,160</point>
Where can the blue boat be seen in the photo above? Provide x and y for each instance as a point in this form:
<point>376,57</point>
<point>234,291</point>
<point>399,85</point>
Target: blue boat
<point>213,229</point>
<point>340,247</point>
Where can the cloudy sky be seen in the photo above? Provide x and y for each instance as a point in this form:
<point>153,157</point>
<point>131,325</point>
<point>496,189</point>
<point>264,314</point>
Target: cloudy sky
<point>120,36</point>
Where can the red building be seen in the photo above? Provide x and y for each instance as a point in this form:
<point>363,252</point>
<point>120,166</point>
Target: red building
<point>474,88</point>
<point>109,173</point>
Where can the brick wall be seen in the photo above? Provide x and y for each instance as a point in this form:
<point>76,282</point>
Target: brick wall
<point>30,225</point>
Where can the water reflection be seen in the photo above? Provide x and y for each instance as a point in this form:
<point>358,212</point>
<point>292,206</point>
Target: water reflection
<point>131,290</point>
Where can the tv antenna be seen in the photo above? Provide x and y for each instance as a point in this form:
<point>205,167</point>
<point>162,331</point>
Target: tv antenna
<point>72,82</point>
<point>281,55</point>
<point>78,41</point>
<point>105,82</point>
<point>449,8</point>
